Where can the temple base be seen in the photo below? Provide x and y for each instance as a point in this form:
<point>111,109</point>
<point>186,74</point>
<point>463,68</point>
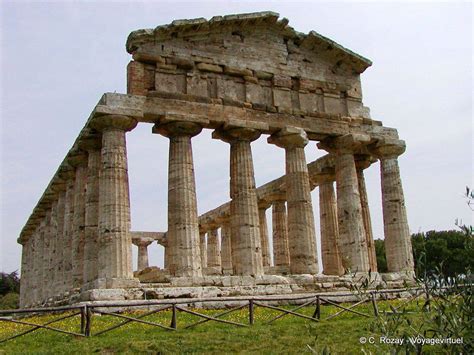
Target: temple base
<point>229,286</point>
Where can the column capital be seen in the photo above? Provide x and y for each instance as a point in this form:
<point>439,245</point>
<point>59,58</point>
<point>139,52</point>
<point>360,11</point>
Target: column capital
<point>77,158</point>
<point>264,204</point>
<point>289,137</point>
<point>388,148</point>
<point>363,161</point>
<point>142,242</point>
<point>177,128</point>
<point>348,143</point>
<point>111,122</point>
<point>91,143</point>
<point>235,134</point>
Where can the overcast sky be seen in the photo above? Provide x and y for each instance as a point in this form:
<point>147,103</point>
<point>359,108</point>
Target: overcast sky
<point>57,59</point>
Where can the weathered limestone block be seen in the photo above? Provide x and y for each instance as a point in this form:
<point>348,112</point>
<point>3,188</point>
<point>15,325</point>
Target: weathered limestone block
<point>115,242</point>
<point>334,104</point>
<point>397,235</point>
<point>213,68</point>
<point>282,81</point>
<point>281,252</point>
<point>174,83</point>
<point>301,230</point>
<point>245,226</point>
<point>183,224</point>
<point>136,78</point>
<point>282,100</point>
<point>196,85</point>
<point>258,94</point>
<point>231,89</point>
<point>213,249</point>
<point>53,233</point>
<point>311,102</point>
<point>331,258</point>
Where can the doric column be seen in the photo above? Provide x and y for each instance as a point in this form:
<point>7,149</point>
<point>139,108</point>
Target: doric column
<point>213,250</point>
<point>331,258</point>
<point>143,254</point>
<point>262,216</point>
<point>92,145</point>
<point>37,271</point>
<point>183,224</point>
<point>45,248</point>
<point>58,261</point>
<point>397,235</point>
<point>301,230</point>
<point>24,286</point>
<point>68,223</point>
<point>226,249</point>
<point>167,258</point>
<point>115,242</point>
<point>352,242</point>
<point>79,161</point>
<point>361,164</point>
<point>203,248</point>
<point>53,228</point>
<point>281,252</point>
<point>245,226</point>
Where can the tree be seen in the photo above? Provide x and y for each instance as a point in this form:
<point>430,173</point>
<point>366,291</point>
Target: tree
<point>380,254</point>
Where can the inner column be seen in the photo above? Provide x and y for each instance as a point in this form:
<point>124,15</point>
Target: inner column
<point>183,224</point>
<point>244,219</point>
<point>301,230</point>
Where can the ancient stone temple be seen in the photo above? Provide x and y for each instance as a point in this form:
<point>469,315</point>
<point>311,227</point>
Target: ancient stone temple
<point>245,77</point>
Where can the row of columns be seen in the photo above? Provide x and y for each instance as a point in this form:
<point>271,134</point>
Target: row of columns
<point>83,239</point>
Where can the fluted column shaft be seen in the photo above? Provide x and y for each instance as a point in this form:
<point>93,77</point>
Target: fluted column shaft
<point>143,255</point>
<point>46,242</point>
<point>24,286</point>
<point>397,235</point>
<point>264,236</point>
<point>183,224</point>
<point>213,250</point>
<point>37,271</point>
<point>281,252</point>
<point>245,225</point>
<point>91,232</point>
<point>369,236</point>
<point>226,249</point>
<point>203,249</point>
<point>77,243</point>
<point>301,229</point>
<point>59,257</point>
<point>114,242</point>
<point>331,258</point>
<point>53,228</point>
<point>68,234</point>
<point>353,245</point>
<point>244,219</point>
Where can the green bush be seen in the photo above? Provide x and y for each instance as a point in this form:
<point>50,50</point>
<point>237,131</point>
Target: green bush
<point>10,301</point>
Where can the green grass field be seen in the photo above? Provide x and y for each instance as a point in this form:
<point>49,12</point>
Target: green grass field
<point>288,335</point>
